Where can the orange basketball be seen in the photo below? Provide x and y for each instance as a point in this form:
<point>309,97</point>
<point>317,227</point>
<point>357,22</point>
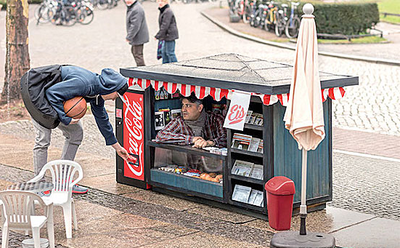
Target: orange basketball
<point>75,107</point>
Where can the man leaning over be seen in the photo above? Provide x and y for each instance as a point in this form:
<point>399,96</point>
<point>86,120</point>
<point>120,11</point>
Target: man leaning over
<point>96,89</point>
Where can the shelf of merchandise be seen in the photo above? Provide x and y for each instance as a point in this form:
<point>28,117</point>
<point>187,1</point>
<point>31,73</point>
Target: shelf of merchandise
<point>255,154</point>
<point>187,185</point>
<point>233,154</point>
<point>247,179</point>
<point>247,206</point>
<point>253,127</point>
<point>187,149</point>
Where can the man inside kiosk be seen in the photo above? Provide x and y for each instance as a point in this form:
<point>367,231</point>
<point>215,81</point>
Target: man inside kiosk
<point>195,127</point>
<point>198,128</point>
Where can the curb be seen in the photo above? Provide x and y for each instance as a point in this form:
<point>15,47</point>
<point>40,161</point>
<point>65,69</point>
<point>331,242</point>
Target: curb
<point>284,46</point>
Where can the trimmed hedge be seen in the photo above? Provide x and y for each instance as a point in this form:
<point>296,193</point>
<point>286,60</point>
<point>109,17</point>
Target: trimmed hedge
<point>347,19</point>
<point>341,18</point>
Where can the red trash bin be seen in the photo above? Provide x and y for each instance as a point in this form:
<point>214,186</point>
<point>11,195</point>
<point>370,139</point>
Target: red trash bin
<point>280,193</point>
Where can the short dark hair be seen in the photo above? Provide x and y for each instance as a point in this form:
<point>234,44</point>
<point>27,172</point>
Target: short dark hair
<point>123,89</point>
<point>192,98</point>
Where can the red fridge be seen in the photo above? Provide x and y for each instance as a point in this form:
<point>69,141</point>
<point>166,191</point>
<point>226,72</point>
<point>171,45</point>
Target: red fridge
<point>130,122</point>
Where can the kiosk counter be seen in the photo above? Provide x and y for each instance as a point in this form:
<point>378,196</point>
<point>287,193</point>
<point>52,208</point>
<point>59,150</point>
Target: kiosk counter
<point>231,177</point>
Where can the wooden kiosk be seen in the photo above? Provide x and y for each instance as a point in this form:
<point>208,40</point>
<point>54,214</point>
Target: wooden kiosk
<point>217,77</point>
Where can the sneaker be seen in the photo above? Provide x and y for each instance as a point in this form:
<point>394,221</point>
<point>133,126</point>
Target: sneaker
<point>76,189</point>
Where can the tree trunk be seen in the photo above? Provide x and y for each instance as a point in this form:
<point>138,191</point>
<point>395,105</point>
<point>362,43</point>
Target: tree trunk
<point>17,49</point>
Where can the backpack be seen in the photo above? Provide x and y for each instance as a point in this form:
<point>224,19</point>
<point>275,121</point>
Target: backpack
<point>34,84</point>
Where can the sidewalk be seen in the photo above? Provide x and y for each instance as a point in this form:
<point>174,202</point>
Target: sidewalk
<point>386,53</point>
<point>115,215</point>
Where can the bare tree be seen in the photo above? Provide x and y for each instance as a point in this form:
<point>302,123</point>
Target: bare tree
<point>17,52</point>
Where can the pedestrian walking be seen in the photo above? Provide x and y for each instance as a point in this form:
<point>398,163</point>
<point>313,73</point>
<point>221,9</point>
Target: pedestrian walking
<point>137,31</point>
<point>168,32</point>
<point>75,81</point>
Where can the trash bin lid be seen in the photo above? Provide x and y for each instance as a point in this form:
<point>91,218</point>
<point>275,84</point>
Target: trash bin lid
<point>280,185</point>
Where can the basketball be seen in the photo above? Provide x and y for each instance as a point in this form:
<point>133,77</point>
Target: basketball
<point>75,107</point>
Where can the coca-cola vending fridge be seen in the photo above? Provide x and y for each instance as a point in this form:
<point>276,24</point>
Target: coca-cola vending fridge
<point>130,120</point>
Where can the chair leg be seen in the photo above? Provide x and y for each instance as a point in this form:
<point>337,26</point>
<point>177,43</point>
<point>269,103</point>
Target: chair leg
<point>4,238</point>
<point>32,213</point>
<point>50,228</point>
<point>68,220</point>
<point>36,237</point>
<point>74,216</point>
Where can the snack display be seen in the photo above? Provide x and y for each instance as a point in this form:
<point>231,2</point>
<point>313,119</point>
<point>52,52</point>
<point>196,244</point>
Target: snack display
<point>212,177</point>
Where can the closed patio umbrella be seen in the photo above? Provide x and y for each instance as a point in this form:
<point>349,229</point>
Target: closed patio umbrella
<point>304,113</point>
<point>305,121</point>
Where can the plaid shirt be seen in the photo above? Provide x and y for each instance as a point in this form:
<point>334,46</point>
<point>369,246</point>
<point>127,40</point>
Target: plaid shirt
<point>178,132</point>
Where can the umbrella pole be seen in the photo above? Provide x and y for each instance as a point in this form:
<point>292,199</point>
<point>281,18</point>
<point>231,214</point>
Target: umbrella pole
<point>303,206</point>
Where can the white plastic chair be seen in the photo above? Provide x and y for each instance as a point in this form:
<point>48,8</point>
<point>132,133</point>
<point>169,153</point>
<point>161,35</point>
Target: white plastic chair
<point>17,207</point>
<point>2,213</point>
<point>64,175</point>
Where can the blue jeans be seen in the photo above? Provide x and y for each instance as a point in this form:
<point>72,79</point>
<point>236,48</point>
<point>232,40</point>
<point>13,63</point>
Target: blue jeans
<point>168,54</point>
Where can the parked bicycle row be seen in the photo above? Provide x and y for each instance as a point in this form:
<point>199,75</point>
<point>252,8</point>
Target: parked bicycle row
<point>68,12</point>
<point>271,16</point>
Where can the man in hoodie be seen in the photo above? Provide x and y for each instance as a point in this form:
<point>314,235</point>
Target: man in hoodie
<point>95,88</point>
<point>136,28</point>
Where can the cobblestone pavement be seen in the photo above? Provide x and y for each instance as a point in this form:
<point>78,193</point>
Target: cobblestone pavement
<point>374,104</point>
<point>371,106</point>
<point>359,184</point>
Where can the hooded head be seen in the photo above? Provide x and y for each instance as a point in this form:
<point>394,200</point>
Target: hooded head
<point>112,81</point>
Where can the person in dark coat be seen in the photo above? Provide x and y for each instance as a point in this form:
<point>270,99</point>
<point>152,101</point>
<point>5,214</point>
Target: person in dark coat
<point>137,31</point>
<point>96,89</point>
<point>168,31</point>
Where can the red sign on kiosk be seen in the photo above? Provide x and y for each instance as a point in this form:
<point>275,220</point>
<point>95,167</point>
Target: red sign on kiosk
<point>134,134</point>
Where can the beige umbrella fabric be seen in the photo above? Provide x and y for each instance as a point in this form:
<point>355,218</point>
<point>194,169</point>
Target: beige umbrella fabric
<point>304,113</point>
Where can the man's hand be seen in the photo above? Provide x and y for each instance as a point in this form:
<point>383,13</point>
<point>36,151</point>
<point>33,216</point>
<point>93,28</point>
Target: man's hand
<point>74,121</point>
<point>199,142</point>
<point>122,152</point>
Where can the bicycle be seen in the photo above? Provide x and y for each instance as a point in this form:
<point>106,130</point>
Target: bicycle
<point>84,11</point>
<point>237,7</point>
<point>105,4</point>
<point>65,15</point>
<point>281,20</point>
<point>293,24</point>
<point>257,19</point>
<point>269,19</point>
<point>249,8</point>
<point>45,11</point>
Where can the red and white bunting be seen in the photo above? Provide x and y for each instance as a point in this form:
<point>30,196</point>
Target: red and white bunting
<point>218,93</point>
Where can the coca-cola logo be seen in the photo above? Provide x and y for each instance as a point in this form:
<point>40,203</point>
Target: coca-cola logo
<point>133,120</point>
<point>237,114</point>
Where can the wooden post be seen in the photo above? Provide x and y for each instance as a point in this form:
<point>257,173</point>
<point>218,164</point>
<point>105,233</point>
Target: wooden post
<point>17,49</point>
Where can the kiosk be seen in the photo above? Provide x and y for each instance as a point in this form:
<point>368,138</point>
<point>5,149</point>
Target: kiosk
<point>153,99</point>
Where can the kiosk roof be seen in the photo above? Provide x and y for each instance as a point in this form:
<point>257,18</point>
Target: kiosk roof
<point>233,71</point>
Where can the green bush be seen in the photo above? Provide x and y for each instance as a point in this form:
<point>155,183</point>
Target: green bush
<point>347,19</point>
<point>342,18</point>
